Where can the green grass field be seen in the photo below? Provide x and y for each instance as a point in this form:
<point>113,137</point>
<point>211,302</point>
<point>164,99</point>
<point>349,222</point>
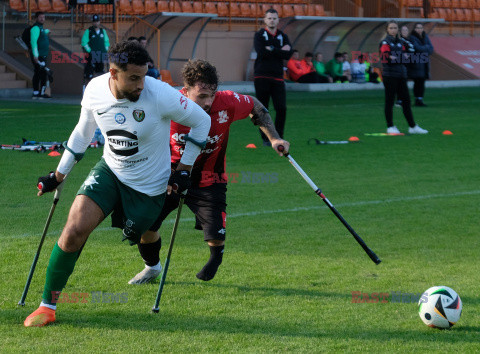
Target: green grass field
<point>290,266</point>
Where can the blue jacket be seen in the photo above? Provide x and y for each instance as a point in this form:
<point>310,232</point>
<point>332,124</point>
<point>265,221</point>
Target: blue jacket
<point>420,65</point>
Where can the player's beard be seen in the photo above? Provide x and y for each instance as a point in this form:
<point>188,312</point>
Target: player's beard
<point>131,96</point>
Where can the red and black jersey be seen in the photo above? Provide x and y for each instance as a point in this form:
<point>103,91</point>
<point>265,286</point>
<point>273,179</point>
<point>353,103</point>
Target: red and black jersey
<point>392,51</point>
<point>209,168</point>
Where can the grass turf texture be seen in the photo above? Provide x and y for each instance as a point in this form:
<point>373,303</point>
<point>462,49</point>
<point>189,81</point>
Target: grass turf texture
<point>290,267</point>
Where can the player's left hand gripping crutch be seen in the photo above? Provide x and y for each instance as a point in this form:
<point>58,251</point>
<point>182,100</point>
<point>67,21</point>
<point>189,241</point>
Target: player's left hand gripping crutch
<point>155,308</point>
<point>317,190</point>
<point>56,198</point>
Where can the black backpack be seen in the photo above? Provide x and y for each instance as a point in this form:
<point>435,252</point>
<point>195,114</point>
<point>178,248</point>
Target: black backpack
<point>26,36</point>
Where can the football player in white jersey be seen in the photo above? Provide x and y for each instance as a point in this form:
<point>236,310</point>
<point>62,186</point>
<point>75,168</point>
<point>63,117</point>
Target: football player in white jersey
<point>134,113</point>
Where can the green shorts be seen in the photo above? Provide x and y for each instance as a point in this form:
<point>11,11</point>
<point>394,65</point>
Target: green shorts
<point>134,212</point>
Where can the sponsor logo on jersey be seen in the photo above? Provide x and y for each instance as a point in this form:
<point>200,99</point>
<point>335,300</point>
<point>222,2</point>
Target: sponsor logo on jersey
<point>90,182</point>
<point>122,142</point>
<point>214,139</point>
<point>222,231</point>
<point>117,106</point>
<point>236,96</point>
<point>246,99</point>
<point>120,118</point>
<point>183,102</point>
<point>222,117</point>
<point>138,115</point>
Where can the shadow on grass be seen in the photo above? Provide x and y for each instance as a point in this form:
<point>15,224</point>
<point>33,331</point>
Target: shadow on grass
<point>106,320</point>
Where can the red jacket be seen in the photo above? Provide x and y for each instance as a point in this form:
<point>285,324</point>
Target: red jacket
<point>298,68</point>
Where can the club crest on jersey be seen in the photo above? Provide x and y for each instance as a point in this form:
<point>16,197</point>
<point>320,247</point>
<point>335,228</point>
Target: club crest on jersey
<point>222,117</point>
<point>120,118</point>
<point>90,181</point>
<point>138,115</point>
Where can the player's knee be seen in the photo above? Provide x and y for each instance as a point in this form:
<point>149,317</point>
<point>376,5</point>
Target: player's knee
<point>214,243</point>
<point>72,238</point>
<point>150,237</point>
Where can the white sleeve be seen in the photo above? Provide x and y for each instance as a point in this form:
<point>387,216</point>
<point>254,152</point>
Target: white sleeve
<point>184,111</point>
<point>200,122</point>
<point>79,140</point>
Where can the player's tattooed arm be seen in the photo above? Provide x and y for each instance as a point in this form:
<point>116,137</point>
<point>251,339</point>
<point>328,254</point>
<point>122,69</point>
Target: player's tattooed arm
<point>262,118</point>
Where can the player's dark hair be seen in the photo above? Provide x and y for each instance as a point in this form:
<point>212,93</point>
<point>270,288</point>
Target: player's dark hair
<point>200,70</point>
<point>309,54</point>
<point>338,55</point>
<point>271,11</point>
<point>142,38</point>
<point>128,52</point>
<point>39,13</point>
<point>132,39</point>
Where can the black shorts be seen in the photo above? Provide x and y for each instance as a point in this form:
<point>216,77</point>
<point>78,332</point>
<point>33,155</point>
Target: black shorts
<point>209,206</point>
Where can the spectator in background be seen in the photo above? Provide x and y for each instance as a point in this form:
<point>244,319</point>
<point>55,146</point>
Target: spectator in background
<point>302,71</point>
<point>132,39</point>
<point>272,47</point>
<point>319,67</point>
<point>95,43</point>
<point>347,69</point>
<point>152,71</point>
<point>334,68</point>
<point>404,34</point>
<point>419,69</point>
<point>39,44</point>
<point>392,52</point>
<point>362,71</point>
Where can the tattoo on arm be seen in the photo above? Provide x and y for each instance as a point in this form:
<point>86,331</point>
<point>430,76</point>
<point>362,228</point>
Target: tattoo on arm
<point>261,117</point>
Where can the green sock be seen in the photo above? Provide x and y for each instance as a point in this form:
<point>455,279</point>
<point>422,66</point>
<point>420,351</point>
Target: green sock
<point>59,268</point>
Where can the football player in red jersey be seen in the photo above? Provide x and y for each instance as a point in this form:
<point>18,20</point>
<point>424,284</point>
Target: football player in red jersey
<point>207,195</point>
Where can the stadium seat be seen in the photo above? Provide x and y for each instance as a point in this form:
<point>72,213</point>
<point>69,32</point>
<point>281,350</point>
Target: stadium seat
<point>162,6</point>
<point>17,5</point>
<point>448,15</point>
<point>279,9</point>
<point>175,6</point>
<point>138,7</point>
<point>468,15</point>
<point>319,10</point>
<point>59,6</point>
<point>222,9</point>
<point>436,3</point>
<point>476,15</point>
<point>167,77</point>
<point>234,9</point>
<point>245,9</point>
<point>187,6</point>
<point>288,11</point>
<point>33,5</point>
<point>299,10</point>
<point>458,15</point>
<point>150,7</point>
<point>442,13</point>
<point>255,10</point>
<point>455,3</point>
<point>210,8</point>
<point>464,4</point>
<point>197,7</point>
<point>125,7</point>
<point>44,5</point>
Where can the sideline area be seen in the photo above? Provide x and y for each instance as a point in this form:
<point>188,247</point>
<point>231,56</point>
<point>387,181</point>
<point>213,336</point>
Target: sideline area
<point>246,87</point>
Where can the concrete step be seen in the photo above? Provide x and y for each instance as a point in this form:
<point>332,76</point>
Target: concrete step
<point>13,84</point>
<point>3,68</point>
<point>16,93</point>
<point>7,77</point>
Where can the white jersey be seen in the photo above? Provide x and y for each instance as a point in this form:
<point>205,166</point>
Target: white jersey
<point>137,134</point>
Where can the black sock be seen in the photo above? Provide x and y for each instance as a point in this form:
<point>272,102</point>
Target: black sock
<point>150,252</point>
<point>210,269</point>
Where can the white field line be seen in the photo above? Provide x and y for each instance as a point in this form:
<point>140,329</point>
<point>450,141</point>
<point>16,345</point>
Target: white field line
<point>307,208</point>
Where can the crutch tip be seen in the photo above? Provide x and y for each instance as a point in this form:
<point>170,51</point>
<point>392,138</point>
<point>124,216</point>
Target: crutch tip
<point>21,303</point>
<point>155,310</point>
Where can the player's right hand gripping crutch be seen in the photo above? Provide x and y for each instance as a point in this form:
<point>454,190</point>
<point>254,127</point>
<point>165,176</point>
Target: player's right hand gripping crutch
<point>317,190</point>
<point>56,198</point>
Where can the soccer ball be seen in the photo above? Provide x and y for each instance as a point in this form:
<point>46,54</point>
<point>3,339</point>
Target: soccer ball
<point>440,307</point>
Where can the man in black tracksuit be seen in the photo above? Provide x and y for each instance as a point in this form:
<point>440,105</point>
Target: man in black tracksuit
<point>272,47</point>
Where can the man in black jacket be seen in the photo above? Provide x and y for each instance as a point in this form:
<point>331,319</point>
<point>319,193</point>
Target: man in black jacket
<point>272,47</point>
